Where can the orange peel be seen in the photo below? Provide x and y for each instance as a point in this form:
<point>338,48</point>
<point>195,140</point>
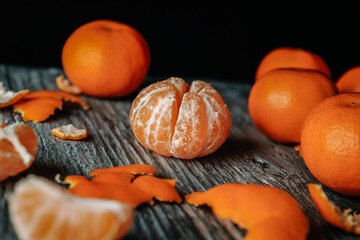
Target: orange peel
<point>135,169</point>
<point>2,124</point>
<point>8,98</point>
<point>57,95</point>
<point>38,109</point>
<point>266,212</point>
<point>65,85</point>
<point>18,148</point>
<point>122,185</point>
<point>69,132</point>
<point>331,213</point>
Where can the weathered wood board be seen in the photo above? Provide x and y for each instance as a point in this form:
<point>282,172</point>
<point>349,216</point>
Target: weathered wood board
<point>246,157</point>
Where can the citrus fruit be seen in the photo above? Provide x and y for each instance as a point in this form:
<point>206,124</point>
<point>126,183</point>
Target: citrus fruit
<point>332,213</point>
<point>172,119</point>
<point>349,81</point>
<point>39,209</point>
<point>266,212</point>
<point>106,58</point>
<point>287,57</point>
<point>281,99</point>
<point>330,143</point>
<point>18,148</point>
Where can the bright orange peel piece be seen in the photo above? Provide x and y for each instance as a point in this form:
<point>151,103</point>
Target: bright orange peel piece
<point>38,109</point>
<point>2,124</point>
<point>58,95</point>
<point>135,169</point>
<point>65,85</point>
<point>69,132</point>
<point>8,98</point>
<point>266,212</point>
<point>332,213</point>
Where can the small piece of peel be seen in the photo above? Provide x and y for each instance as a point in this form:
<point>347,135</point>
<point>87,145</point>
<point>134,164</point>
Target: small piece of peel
<point>135,169</point>
<point>331,213</point>
<point>69,132</point>
<point>8,98</point>
<point>65,85</point>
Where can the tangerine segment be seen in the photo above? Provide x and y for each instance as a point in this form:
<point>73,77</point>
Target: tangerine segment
<point>38,109</point>
<point>58,95</point>
<point>153,115</point>
<point>69,132</point>
<point>161,189</point>
<point>191,128</point>
<point>219,119</point>
<point>8,98</point>
<point>40,209</point>
<point>135,169</point>
<point>286,57</point>
<point>65,85</point>
<point>266,212</point>
<point>332,213</point>
<point>18,147</point>
<point>349,81</point>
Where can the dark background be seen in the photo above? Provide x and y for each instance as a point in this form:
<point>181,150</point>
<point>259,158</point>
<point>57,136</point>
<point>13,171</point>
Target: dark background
<point>198,40</point>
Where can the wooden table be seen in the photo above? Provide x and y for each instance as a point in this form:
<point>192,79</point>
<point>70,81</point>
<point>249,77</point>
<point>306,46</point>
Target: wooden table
<point>246,157</point>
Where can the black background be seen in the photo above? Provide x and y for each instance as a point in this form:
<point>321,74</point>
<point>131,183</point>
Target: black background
<point>199,40</point>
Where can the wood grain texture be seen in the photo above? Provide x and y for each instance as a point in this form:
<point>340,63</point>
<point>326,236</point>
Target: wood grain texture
<point>246,157</point>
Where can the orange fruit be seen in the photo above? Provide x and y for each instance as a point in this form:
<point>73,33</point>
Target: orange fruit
<point>281,99</point>
<point>106,58</point>
<point>330,143</point>
<point>287,57</point>
<point>18,147</point>
<point>349,81</point>
<point>331,213</point>
<point>266,212</point>
<point>172,119</point>
<point>40,209</point>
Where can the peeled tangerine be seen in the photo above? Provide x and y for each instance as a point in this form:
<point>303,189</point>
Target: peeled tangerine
<point>40,209</point>
<point>266,212</point>
<point>18,147</point>
<point>172,119</point>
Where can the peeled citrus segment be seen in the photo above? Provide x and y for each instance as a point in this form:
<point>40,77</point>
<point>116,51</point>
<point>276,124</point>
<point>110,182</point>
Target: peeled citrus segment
<point>40,210</point>
<point>38,109</point>
<point>135,169</point>
<point>8,98</point>
<point>345,220</point>
<point>160,189</point>
<point>69,132</point>
<point>59,96</point>
<point>65,85</point>
<point>2,124</point>
<point>18,147</point>
<point>191,128</point>
<point>266,212</point>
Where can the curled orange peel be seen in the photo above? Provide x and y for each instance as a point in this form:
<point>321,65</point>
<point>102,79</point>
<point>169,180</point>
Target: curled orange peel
<point>37,110</point>
<point>123,185</point>
<point>57,95</point>
<point>8,98</point>
<point>135,169</point>
<point>65,85</point>
<point>266,212</point>
<point>69,132</point>
<point>331,213</point>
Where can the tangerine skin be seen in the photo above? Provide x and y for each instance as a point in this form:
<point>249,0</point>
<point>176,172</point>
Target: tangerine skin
<point>349,81</point>
<point>280,101</point>
<point>330,143</point>
<point>106,58</point>
<point>287,57</point>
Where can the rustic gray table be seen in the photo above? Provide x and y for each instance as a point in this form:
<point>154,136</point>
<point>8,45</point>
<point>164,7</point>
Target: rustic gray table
<point>246,157</point>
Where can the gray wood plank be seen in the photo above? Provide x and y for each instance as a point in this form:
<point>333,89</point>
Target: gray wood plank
<point>246,157</point>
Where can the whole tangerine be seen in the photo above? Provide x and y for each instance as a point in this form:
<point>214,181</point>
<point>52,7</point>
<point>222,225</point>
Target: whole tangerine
<point>172,119</point>
<point>349,81</point>
<point>106,58</point>
<point>288,57</point>
<point>330,143</point>
<point>280,101</point>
